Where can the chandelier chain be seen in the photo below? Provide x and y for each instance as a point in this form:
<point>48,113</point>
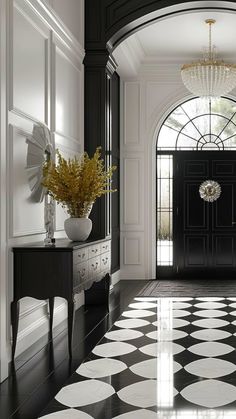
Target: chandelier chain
<point>210,46</point>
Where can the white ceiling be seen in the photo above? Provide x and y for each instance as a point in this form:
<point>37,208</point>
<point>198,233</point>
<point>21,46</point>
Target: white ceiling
<point>176,40</point>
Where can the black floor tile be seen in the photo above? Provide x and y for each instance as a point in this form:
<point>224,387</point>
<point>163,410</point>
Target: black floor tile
<point>45,367</point>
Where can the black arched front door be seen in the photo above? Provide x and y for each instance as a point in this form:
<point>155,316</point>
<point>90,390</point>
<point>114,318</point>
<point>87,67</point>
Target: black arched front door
<point>197,143</point>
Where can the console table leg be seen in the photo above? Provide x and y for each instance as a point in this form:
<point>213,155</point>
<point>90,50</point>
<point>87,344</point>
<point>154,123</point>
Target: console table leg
<point>15,323</point>
<point>70,325</point>
<point>51,308</point>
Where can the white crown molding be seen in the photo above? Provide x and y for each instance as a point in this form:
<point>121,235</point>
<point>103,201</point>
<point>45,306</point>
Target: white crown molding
<point>49,16</point>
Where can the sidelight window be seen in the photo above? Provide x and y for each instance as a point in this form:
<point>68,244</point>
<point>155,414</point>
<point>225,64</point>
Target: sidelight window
<point>164,210</point>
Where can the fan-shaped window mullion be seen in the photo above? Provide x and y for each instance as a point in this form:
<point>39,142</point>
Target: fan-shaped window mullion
<point>221,123</point>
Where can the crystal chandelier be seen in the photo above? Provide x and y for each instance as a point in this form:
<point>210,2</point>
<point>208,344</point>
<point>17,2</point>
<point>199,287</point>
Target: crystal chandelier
<point>209,77</point>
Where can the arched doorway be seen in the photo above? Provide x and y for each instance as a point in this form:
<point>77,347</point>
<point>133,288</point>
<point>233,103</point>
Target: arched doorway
<point>197,143</point>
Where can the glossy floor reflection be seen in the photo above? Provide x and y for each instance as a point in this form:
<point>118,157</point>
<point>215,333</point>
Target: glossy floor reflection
<point>164,358</point>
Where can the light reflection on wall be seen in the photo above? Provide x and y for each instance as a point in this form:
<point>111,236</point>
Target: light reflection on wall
<point>165,375</point>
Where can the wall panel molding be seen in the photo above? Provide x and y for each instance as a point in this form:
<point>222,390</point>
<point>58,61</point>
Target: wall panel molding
<point>28,62</point>
<point>132,250</point>
<point>132,185</point>
<point>132,113</point>
<point>29,33</point>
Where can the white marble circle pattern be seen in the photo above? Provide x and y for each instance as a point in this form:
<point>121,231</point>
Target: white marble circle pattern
<point>146,298</point>
<point>155,349</point>
<point>67,414</point>
<point>180,313</point>
<point>210,298</point>
<point>210,313</point>
<point>178,305</point>
<point>141,394</point>
<point>145,369</point>
<point>210,368</point>
<point>210,393</point>
<point>233,313</point>
<point>210,323</point>
<point>142,305</point>
<point>210,334</point>
<point>176,323</point>
<point>210,349</point>
<point>210,305</point>
<point>231,298</point>
<point>137,414</point>
<point>166,335</point>
<point>131,323</point>
<point>101,368</point>
<point>84,392</point>
<point>112,349</point>
<point>123,335</point>
<point>149,368</point>
<point>133,314</point>
<point>233,305</point>
<point>181,298</point>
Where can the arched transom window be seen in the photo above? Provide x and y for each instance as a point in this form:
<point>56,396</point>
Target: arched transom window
<point>200,124</point>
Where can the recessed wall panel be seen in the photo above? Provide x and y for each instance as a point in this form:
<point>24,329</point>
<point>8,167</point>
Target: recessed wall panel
<point>27,216</point>
<point>132,113</point>
<point>132,251</point>
<point>132,191</point>
<point>67,90</point>
<point>28,86</point>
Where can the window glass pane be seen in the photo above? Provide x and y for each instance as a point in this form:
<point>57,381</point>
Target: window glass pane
<point>177,119</point>
<point>218,123</point>
<point>167,138</point>
<point>202,123</point>
<point>186,143</point>
<point>223,106</point>
<point>228,130</point>
<point>164,210</point>
<point>191,131</point>
<point>194,107</point>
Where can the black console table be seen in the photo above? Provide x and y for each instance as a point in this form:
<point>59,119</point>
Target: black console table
<point>63,270</point>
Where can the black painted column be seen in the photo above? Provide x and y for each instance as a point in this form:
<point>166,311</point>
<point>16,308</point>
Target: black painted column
<point>99,68</point>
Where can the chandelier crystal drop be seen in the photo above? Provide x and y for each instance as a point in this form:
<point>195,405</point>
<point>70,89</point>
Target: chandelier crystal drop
<point>209,77</point>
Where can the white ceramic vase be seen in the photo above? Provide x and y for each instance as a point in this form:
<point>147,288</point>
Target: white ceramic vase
<point>78,229</point>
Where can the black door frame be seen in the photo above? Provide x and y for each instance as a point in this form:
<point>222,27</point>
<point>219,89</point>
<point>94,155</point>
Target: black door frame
<point>168,271</point>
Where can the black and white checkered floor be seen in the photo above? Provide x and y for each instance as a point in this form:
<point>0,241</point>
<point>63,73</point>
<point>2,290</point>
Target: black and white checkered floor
<point>172,358</point>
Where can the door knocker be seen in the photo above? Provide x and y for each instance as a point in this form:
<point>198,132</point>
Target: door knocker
<point>210,190</point>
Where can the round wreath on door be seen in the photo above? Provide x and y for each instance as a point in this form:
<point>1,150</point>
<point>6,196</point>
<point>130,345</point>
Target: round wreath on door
<point>210,190</point>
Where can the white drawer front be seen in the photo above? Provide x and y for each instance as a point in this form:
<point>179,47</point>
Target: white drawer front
<point>94,266</point>
<point>94,250</point>
<point>105,247</point>
<point>105,261</point>
<point>80,255</point>
<point>80,273</point>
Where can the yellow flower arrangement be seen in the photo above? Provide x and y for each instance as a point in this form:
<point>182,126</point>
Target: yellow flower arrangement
<point>77,182</point>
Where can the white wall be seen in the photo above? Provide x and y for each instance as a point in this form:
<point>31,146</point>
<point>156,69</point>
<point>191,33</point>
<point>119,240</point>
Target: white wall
<point>41,81</point>
<point>71,13</point>
<point>147,99</point>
